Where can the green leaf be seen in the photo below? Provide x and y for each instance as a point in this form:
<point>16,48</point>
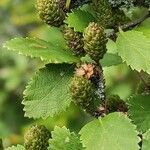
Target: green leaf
<point>53,35</point>
<point>136,12</point>
<point>88,8</point>
<point>18,147</point>
<point>48,93</point>
<point>146,141</point>
<point>110,60</point>
<point>115,131</point>
<point>79,19</point>
<point>144,27</point>
<point>139,110</point>
<point>111,47</point>
<point>39,48</point>
<point>63,139</point>
<point>134,48</point>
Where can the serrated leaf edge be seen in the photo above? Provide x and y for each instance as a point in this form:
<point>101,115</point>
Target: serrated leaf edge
<point>128,119</point>
<point>131,122</point>
<point>70,133</point>
<point>123,59</point>
<point>25,96</point>
<point>73,12</point>
<point>55,61</point>
<point>129,106</point>
<point>15,146</point>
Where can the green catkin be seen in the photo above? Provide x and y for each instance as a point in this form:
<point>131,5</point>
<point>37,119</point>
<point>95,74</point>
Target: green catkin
<point>50,12</point>
<point>36,138</point>
<point>74,40</point>
<point>81,89</point>
<point>95,41</point>
<point>87,88</point>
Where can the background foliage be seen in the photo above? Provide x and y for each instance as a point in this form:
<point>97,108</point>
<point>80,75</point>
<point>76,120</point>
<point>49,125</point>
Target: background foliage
<point>120,71</point>
<point>15,73</point>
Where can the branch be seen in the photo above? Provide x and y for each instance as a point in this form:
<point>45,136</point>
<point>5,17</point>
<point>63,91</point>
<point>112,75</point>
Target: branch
<point>135,22</point>
<point>129,25</point>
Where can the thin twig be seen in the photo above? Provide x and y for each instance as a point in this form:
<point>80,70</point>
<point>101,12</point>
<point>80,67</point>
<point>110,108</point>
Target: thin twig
<point>135,22</point>
<point>129,25</point>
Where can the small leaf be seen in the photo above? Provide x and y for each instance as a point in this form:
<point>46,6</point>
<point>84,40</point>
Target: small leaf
<point>18,147</point>
<point>139,110</point>
<point>134,48</point>
<point>144,27</point>
<point>115,131</point>
<point>39,48</point>
<point>87,59</point>
<point>79,19</point>
<point>48,93</point>
<point>110,60</point>
<point>146,141</point>
<point>63,139</point>
<point>111,47</point>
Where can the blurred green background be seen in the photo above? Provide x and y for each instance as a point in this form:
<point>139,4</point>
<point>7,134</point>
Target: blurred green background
<point>19,18</point>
